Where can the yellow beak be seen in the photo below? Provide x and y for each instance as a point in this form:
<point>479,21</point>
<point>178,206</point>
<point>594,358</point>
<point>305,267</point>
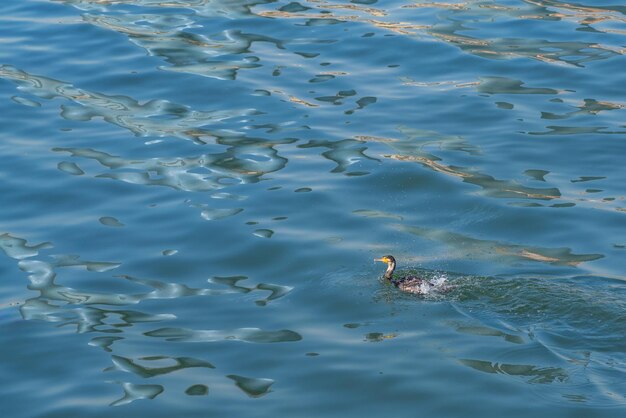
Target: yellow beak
<point>383,260</point>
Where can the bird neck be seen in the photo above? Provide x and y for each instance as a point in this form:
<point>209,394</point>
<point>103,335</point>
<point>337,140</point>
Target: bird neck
<point>389,273</point>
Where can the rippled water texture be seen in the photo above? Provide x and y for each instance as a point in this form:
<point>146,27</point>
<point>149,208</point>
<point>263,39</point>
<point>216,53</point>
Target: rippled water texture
<point>193,192</point>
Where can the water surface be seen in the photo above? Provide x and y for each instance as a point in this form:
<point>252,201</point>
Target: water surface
<point>193,192</point>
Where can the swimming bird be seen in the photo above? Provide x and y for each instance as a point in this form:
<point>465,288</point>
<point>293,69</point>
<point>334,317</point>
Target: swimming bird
<point>410,284</point>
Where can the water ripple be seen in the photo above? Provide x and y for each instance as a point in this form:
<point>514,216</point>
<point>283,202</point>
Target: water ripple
<point>133,392</point>
<point>18,248</point>
<point>250,335</point>
<point>477,136</point>
<point>501,251</point>
<point>532,374</point>
<point>157,118</point>
<point>131,366</point>
<point>253,387</point>
<point>70,307</point>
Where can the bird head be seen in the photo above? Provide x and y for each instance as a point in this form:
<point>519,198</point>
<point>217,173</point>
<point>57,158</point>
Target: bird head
<point>391,265</point>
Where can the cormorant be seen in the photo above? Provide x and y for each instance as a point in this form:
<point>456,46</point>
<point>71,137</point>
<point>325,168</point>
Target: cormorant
<point>410,284</point>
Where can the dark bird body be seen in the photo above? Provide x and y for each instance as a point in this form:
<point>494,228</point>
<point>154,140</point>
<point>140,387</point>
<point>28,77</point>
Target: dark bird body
<point>410,284</point>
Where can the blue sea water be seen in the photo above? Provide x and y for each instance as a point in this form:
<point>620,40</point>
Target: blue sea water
<point>193,193</point>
